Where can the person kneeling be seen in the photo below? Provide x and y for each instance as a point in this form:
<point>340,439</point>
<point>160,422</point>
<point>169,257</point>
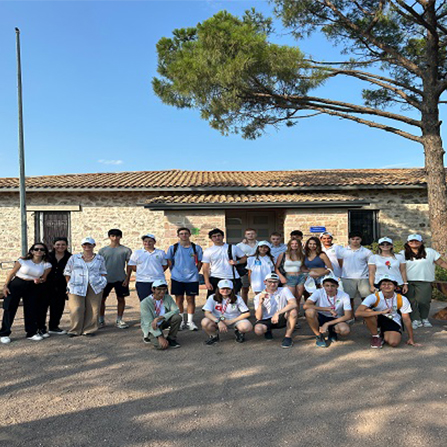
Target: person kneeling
<point>224,310</point>
<point>275,308</point>
<point>386,310</point>
<point>158,312</point>
<point>327,311</point>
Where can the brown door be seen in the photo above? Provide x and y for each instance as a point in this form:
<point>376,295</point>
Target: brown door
<point>52,224</point>
<point>264,222</point>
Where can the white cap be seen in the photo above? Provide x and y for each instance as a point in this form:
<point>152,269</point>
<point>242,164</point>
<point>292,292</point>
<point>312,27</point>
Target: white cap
<point>264,244</point>
<point>331,278</point>
<point>414,237</point>
<point>385,239</point>
<point>149,235</point>
<point>88,240</point>
<point>273,276</point>
<point>388,278</point>
<point>159,283</point>
<point>225,284</point>
<point>326,233</point>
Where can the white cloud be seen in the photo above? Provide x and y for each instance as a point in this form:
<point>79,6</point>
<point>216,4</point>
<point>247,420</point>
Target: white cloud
<point>110,162</point>
<point>398,165</point>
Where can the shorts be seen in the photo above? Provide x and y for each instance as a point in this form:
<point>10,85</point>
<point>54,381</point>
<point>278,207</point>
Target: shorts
<point>356,287</point>
<point>120,290</point>
<point>245,281</point>
<point>235,325</point>
<point>282,323</point>
<point>182,288</point>
<point>322,319</point>
<point>387,324</point>
<point>296,280</point>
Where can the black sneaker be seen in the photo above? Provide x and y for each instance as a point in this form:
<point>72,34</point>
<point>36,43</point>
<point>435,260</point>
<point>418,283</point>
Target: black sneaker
<point>173,343</point>
<point>287,343</point>
<point>321,341</point>
<point>333,337</point>
<point>268,336</point>
<point>146,340</point>
<point>212,340</point>
<point>240,337</point>
<point>57,331</point>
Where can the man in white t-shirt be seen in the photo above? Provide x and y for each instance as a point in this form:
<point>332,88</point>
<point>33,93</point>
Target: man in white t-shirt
<point>327,311</point>
<point>248,246</point>
<point>388,311</point>
<point>150,264</point>
<point>275,308</point>
<point>217,265</point>
<point>276,246</point>
<point>332,250</point>
<point>354,262</point>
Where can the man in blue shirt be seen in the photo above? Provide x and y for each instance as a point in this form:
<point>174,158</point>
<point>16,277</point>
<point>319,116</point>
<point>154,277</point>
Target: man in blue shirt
<point>185,261</point>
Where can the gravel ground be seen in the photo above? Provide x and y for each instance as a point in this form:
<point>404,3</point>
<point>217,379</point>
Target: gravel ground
<point>113,390</point>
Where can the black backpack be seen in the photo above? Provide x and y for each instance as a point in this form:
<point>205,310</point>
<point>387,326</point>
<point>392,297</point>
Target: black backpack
<point>241,268</point>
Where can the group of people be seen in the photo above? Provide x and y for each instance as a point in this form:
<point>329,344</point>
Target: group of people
<point>395,288</point>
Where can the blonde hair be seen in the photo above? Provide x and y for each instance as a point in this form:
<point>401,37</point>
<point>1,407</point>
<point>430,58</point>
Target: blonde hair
<point>294,255</point>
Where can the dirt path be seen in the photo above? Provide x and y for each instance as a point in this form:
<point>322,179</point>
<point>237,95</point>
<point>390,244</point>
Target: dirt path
<point>113,390</point>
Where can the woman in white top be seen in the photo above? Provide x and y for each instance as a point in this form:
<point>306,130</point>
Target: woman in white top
<point>224,310</point>
<point>421,263</point>
<point>290,266</point>
<point>386,262</point>
<point>24,281</point>
<point>259,266</point>
<point>86,277</point>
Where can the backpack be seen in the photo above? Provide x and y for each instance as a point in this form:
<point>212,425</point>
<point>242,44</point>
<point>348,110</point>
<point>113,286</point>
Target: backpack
<point>241,268</point>
<point>194,249</point>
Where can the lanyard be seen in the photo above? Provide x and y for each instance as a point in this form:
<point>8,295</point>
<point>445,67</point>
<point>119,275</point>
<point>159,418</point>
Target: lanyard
<point>225,305</point>
<point>158,304</point>
<point>386,302</point>
<point>330,302</point>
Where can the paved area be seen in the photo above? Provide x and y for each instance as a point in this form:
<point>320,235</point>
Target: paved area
<point>113,390</point>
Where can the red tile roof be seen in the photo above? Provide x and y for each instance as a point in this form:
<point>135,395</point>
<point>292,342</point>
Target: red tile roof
<point>224,179</point>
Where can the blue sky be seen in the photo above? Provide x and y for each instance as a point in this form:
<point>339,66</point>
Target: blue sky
<point>89,107</point>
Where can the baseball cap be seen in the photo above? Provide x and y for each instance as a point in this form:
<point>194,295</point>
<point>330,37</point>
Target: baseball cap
<point>264,244</point>
<point>225,284</point>
<point>88,240</point>
<point>272,276</point>
<point>159,283</point>
<point>331,278</point>
<point>326,233</point>
<point>149,235</point>
<point>385,239</point>
<point>388,278</point>
<point>414,237</point>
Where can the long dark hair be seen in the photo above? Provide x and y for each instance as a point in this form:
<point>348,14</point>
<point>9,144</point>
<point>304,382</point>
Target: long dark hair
<point>219,298</point>
<point>30,254</point>
<point>410,255</point>
<point>269,253</point>
<point>318,251</point>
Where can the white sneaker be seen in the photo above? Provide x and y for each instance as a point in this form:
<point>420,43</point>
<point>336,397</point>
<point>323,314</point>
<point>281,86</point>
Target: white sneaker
<point>5,340</point>
<point>44,334</point>
<point>121,324</point>
<point>182,326</point>
<point>36,337</point>
<point>426,323</point>
<point>416,324</point>
<point>191,326</point>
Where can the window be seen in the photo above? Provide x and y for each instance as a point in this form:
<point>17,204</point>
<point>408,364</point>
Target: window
<point>365,223</point>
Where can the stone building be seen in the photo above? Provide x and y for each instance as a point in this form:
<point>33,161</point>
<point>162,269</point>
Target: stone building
<point>390,202</point>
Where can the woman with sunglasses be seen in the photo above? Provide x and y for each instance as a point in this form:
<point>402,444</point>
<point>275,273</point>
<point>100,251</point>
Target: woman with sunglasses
<point>25,281</point>
<point>386,262</point>
<point>86,278</point>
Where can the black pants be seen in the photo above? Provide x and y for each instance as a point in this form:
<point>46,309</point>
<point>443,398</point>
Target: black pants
<point>237,284</point>
<point>29,292</point>
<point>54,298</point>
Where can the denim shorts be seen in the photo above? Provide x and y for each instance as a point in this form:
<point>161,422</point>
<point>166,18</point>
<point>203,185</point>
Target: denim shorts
<point>296,280</point>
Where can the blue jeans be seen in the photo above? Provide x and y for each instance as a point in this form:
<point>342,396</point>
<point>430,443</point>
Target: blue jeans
<point>296,280</point>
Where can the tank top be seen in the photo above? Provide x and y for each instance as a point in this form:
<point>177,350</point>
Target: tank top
<point>316,263</point>
<point>292,266</point>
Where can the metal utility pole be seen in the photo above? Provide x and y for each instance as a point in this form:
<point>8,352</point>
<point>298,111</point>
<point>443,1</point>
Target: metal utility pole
<point>21,152</point>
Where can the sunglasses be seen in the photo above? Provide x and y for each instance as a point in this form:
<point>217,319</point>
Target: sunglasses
<point>39,249</point>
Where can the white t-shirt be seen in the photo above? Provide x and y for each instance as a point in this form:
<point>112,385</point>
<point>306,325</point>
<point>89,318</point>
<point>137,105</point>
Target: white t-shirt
<point>274,302</point>
<point>230,311</point>
<point>260,268</point>
<point>355,262</point>
<point>149,265</point>
<point>388,303</point>
<point>333,253</point>
<point>30,270</point>
<point>248,249</point>
<point>217,257</point>
<point>276,251</point>
<point>388,265</point>
<point>341,302</point>
<point>422,269</point>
